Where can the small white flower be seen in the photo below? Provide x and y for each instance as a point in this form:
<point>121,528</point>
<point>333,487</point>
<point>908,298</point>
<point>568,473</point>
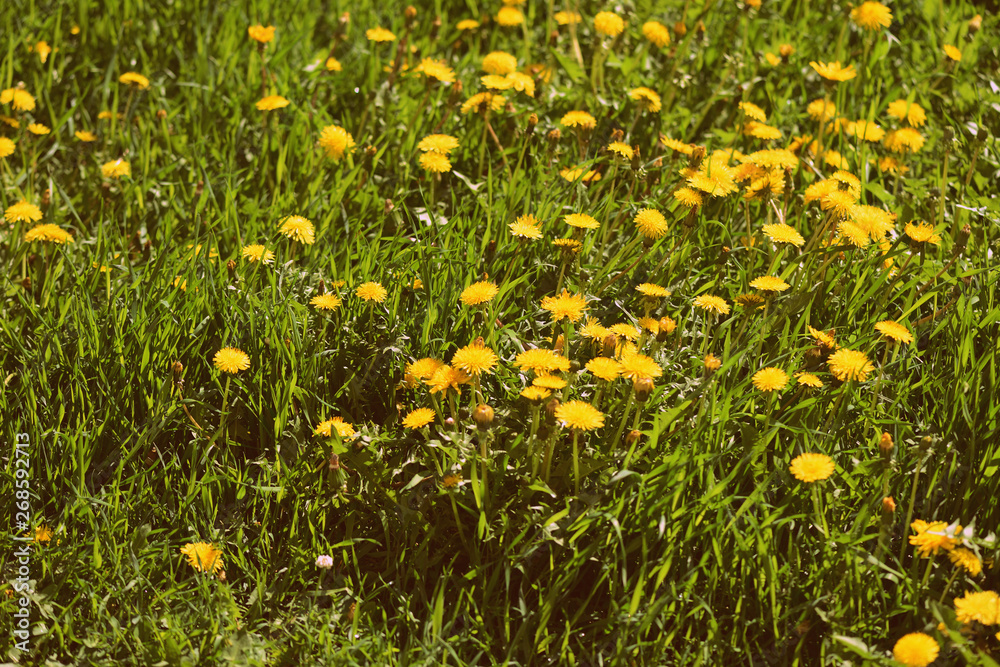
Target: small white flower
<point>324,562</point>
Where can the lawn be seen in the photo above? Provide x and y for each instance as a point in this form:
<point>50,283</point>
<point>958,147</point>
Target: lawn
<point>651,333</point>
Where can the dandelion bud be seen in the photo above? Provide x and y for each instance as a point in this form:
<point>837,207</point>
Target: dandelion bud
<point>371,152</point>
<point>345,19</point>
<point>888,505</point>
<point>554,135</point>
<point>712,363</point>
<point>26,283</point>
<point>483,416</point>
<point>632,437</point>
<point>151,456</point>
<point>696,158</point>
<point>948,136</point>
<point>643,388</point>
<point>975,23</point>
<point>222,576</point>
<point>198,189</point>
<point>550,409</point>
<point>231,267</point>
<point>387,207</point>
<point>46,197</point>
<point>962,240</point>
<point>680,29</point>
<point>435,27</point>
<point>560,344</point>
<point>885,444</point>
<point>786,50</point>
<point>574,366</point>
<point>334,462</point>
<point>723,255</point>
<point>449,421</point>
<point>177,368</point>
<point>617,135</point>
<point>636,158</point>
<point>926,442</point>
<point>664,328</point>
<point>410,12</point>
<point>161,113</point>
<point>610,343</point>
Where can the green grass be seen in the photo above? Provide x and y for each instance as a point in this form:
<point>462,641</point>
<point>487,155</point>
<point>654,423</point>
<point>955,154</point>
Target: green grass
<point>704,549</point>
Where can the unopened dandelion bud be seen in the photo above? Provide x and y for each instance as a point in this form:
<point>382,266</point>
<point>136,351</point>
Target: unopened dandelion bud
<point>610,343</point>
<point>926,442</point>
<point>632,437</point>
<point>680,29</point>
<point>712,363</point>
<point>177,368</point>
<point>554,135</point>
<point>222,576</point>
<point>345,19</point>
<point>231,267</point>
<point>664,328</point>
<point>46,197</point>
<point>550,409</point>
<point>888,505</point>
<point>449,421</point>
<point>636,158</point>
<point>885,444</point>
<point>961,240</point>
<point>617,135</point>
<point>574,366</point>
<point>483,416</point>
<point>26,283</point>
<point>388,207</point>
<point>371,152</point>
<point>560,344</point>
<point>334,462</point>
<point>975,23</point>
<point>948,136</point>
<point>786,50</point>
<point>643,388</point>
<point>696,157</point>
<point>161,114</point>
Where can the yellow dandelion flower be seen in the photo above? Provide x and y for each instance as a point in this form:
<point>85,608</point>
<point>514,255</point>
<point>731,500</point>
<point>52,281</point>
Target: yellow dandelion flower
<point>579,415</point>
<point>952,52</point>
<point>839,202</point>
<point>424,369</point>
<point>854,234</point>
<point>911,111</point>
<point>541,361</point>
<point>809,380</point>
<point>647,98</point>
<point>625,331</point>
<point>257,253</point>
<point>621,149</point>
<point>895,331</point>
<point>712,303</point>
<point>134,79</point>
<point>325,301</point>
<point>272,102</point>
<point>637,366</point>
<point>495,82</point>
<point>848,365</point>
<point>770,379</point>
<point>22,100</point>
<point>534,393</point>
<point>569,245</point>
<point>772,59</point>
<point>835,159</point>
<point>712,363</point>
<point>510,16</point>
<point>657,33</point>
<point>570,306</point>
<point>203,557</point>
<point>526,226</point>
<point>750,301</point>
<point>609,24</point>
<point>904,140</point>
<point>651,223</point>
<point>967,560</point>
<point>549,382</point>
<point>769,284</point>
<point>438,143</point>
<point>594,330</point>
<point>812,467</point>
<point>522,83</point>
<point>467,24</point>
<point>934,536</point>
<point>651,290</point>
<point>480,101</point>
<point>581,220</point>
<point>689,198</point>
<point>833,71</point>
<point>336,141</point>
<point>38,129</point>
<point>327,427</point>
<point>753,111</point>
<point>567,18</point>
<point>85,136</point>
<point>922,232</point>
<point>580,174</point>
<point>580,119</point>
<point>871,16</point>
<point>259,33</point>
<point>43,50</point>
<point>231,360</point>
<point>298,229</point>
<point>435,69</point>
<point>371,291</point>
<point>22,211</point>
<point>379,34</point>
<point>333,65</point>
<point>418,418</point>
<point>499,62</point>
<point>983,607</point>
<point>436,163</point>
<point>916,650</point>
<point>604,368</point>
<point>479,293</point>
<point>7,147</point>
<point>474,359</point>
<point>48,233</point>
<point>677,145</point>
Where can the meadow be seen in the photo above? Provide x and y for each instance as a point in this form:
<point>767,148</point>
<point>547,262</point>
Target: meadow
<point>500,333</point>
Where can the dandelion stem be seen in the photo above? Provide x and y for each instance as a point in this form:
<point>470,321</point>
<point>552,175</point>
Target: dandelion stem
<point>576,461</point>
<point>909,509</point>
